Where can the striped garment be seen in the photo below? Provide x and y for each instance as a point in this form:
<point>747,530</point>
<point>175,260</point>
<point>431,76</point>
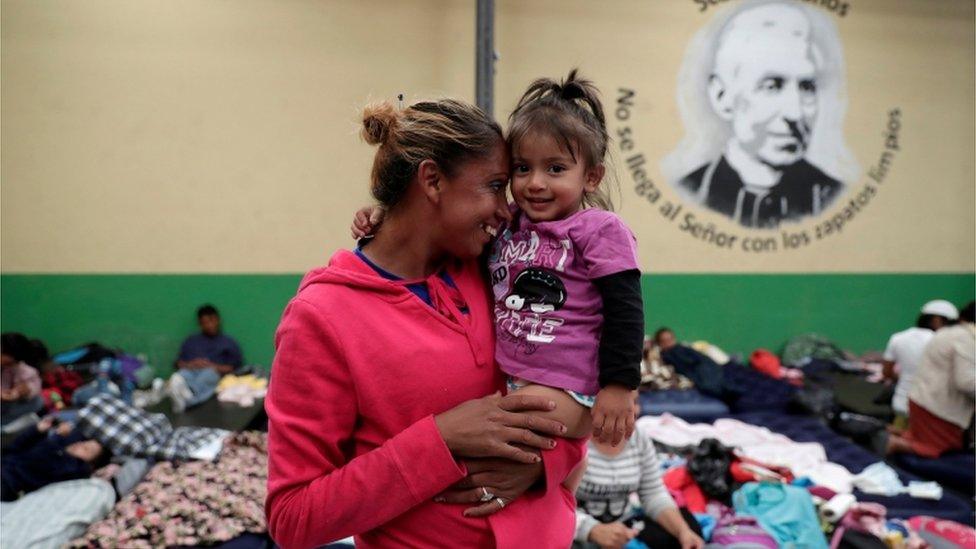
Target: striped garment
<point>604,493</point>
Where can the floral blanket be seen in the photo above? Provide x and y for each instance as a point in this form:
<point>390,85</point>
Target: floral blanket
<point>191,503</point>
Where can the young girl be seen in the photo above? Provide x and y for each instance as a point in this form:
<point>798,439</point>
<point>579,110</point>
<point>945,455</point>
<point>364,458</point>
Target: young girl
<point>569,319</point>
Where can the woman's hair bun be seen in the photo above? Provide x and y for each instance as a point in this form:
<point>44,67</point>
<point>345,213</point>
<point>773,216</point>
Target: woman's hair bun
<point>379,121</point>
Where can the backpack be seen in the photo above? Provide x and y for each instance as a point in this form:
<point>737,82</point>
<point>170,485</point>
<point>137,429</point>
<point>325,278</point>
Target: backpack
<point>800,349</point>
<point>741,532</point>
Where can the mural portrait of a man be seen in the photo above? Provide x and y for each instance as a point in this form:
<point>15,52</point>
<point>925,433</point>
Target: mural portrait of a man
<point>762,98</point>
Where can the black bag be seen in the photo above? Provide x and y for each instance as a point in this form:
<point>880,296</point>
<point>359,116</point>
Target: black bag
<point>816,401</point>
<point>857,426</point>
<point>709,467</point>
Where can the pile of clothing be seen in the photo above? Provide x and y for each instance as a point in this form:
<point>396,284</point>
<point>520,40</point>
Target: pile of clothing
<point>242,389</point>
<point>746,484</point>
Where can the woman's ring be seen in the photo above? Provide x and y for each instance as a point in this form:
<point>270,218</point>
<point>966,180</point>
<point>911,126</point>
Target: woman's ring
<point>486,495</point>
<point>501,502</point>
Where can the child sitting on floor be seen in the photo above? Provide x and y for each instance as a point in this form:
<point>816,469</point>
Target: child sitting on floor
<point>20,384</point>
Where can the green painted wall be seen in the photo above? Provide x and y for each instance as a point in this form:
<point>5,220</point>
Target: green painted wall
<point>742,312</point>
<point>149,314</point>
<point>153,313</point>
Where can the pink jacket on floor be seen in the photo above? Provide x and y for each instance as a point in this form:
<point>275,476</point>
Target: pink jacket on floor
<point>362,366</point>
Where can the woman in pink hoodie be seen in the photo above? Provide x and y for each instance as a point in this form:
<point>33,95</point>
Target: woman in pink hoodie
<point>384,391</point>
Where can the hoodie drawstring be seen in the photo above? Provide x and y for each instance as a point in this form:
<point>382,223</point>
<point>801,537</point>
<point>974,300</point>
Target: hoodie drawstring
<point>448,301</point>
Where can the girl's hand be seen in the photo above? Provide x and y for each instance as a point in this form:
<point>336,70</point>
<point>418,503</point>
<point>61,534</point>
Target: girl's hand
<point>366,220</point>
<point>613,414</point>
<point>503,478</point>
<point>690,540</point>
<point>492,427</point>
<point>612,535</point>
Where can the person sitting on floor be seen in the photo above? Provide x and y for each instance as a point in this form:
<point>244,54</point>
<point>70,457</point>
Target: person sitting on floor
<point>905,350</point>
<point>942,398</point>
<point>612,474</point>
<point>204,359</point>
<point>37,458</point>
<point>20,384</point>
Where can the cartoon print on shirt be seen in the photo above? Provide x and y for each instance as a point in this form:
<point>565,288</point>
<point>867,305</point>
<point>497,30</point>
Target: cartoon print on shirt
<point>528,287</point>
<point>538,289</point>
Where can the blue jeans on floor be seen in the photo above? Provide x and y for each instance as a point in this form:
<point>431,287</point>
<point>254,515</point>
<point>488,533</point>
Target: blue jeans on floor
<point>203,384</point>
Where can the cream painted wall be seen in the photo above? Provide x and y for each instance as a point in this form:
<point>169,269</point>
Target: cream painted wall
<point>188,136</point>
<point>162,136</point>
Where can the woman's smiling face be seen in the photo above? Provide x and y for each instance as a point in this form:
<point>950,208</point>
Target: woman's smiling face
<point>474,203</point>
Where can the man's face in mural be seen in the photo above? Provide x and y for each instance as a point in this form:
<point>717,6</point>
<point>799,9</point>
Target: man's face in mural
<point>777,102</point>
<point>765,85</point>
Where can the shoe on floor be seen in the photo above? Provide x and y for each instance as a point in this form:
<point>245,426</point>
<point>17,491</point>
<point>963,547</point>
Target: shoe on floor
<point>179,392</point>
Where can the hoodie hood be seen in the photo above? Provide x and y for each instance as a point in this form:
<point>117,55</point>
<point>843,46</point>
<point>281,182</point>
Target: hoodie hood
<point>345,269</point>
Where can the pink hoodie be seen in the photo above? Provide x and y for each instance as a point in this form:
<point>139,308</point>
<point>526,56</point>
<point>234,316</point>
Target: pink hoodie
<point>362,365</point>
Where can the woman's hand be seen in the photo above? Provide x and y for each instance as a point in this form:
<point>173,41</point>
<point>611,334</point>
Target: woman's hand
<point>366,220</point>
<point>612,535</point>
<point>690,540</point>
<point>492,427</point>
<point>503,478</point>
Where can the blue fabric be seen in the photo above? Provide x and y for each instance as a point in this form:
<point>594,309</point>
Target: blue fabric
<point>855,458</point>
<point>707,523</point>
<point>219,349</point>
<point>86,392</point>
<point>690,405</point>
<point>785,511</point>
<point>699,368</point>
<point>203,383</point>
<point>802,482</point>
<point>34,460</point>
<point>69,357</point>
<point>760,392</point>
<point>956,471</point>
<point>419,289</point>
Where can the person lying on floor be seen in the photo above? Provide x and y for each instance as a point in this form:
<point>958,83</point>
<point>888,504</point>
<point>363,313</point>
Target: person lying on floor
<point>942,397</point>
<point>612,474</point>
<point>38,458</point>
<point>704,372</point>
<point>20,384</point>
<point>204,359</point>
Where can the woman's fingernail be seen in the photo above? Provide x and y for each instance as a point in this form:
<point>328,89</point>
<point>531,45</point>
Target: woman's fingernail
<point>552,443</point>
<point>552,405</point>
<point>562,428</point>
<point>536,459</point>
